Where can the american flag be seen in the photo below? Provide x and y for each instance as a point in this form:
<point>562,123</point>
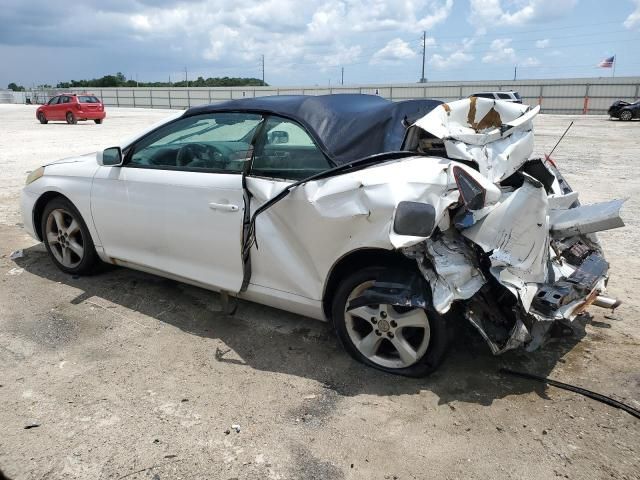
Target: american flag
<point>607,62</point>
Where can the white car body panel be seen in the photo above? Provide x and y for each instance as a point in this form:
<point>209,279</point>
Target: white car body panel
<point>303,236</point>
<point>70,177</point>
<point>474,130</point>
<point>169,221</point>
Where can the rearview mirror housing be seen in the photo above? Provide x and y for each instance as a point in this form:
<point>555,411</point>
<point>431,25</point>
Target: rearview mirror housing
<point>110,157</point>
<point>277,137</point>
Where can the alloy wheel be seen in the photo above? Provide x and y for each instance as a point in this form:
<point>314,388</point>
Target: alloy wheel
<point>64,236</point>
<point>626,115</point>
<point>392,337</point>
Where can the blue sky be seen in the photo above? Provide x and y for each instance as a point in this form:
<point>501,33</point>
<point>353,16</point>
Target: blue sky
<point>307,43</point>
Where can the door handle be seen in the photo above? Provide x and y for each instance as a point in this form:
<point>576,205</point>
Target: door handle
<point>224,207</point>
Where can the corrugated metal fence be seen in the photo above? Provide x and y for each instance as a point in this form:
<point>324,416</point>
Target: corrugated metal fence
<point>568,96</point>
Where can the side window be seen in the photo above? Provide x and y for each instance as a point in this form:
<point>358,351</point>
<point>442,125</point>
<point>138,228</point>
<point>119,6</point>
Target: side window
<point>65,99</point>
<point>287,151</point>
<point>504,96</point>
<point>214,141</point>
<point>53,101</point>
<point>483,95</point>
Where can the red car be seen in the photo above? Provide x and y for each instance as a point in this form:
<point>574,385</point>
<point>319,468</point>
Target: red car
<point>72,107</point>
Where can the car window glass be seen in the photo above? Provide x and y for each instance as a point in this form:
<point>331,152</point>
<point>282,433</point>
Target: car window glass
<point>65,99</point>
<point>216,141</point>
<point>53,101</point>
<point>88,99</point>
<point>287,151</point>
<point>483,95</point>
<point>504,96</point>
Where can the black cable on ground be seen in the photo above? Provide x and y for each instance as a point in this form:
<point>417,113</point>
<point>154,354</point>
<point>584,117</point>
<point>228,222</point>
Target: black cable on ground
<point>582,391</point>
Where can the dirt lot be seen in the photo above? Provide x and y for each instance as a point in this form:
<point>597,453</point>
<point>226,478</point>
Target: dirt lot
<point>131,376</point>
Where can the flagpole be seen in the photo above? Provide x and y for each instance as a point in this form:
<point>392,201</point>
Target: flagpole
<point>615,60</point>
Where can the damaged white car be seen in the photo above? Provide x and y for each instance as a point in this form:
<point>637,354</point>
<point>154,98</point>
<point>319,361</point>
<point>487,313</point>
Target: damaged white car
<point>391,220</point>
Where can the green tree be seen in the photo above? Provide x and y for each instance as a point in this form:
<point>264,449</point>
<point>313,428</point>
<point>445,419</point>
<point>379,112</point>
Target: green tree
<point>16,88</point>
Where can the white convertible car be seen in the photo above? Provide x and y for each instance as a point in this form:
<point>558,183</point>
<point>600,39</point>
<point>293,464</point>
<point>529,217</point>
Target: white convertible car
<point>391,220</point>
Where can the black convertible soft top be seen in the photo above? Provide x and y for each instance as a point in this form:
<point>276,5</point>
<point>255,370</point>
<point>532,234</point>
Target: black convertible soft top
<point>346,127</point>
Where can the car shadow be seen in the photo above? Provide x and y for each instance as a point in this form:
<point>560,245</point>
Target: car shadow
<point>272,340</point>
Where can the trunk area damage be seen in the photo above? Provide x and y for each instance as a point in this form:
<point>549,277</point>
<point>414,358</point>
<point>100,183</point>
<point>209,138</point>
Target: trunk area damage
<point>517,252</point>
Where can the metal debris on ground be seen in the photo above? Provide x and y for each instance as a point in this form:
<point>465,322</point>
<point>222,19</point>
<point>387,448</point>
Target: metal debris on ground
<point>236,427</point>
<point>15,271</point>
<point>16,254</point>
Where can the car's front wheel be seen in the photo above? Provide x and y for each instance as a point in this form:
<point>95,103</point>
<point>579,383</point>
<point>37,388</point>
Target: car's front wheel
<point>98,121</point>
<point>67,239</point>
<point>626,115</point>
<point>400,340</point>
<point>42,118</point>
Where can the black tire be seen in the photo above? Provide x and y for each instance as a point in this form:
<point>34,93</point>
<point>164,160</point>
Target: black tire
<point>89,261</point>
<point>98,121</point>
<point>42,119</point>
<point>439,330</point>
<point>71,118</point>
<point>626,115</point>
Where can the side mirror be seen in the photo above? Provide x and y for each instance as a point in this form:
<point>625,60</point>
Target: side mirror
<point>110,157</point>
<point>415,219</point>
<point>277,137</point>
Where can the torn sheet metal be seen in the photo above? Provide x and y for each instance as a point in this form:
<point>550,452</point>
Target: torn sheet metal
<point>586,219</point>
<point>516,234</point>
<point>456,277</point>
<point>497,135</point>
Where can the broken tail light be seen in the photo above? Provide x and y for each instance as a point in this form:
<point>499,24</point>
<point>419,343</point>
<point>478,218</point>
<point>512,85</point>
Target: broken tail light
<point>472,193</point>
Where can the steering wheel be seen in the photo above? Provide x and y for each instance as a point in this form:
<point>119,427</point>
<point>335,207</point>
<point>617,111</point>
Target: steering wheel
<point>200,155</point>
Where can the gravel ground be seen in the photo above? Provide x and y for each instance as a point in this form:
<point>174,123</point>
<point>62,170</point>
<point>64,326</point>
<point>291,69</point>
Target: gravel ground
<point>127,375</point>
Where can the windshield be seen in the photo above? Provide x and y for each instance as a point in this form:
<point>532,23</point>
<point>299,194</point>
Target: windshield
<point>231,129</point>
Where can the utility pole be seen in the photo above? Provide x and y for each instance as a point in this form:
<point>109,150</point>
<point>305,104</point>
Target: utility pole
<point>186,76</point>
<point>262,65</point>
<point>515,72</point>
<point>342,77</point>
<point>424,55</point>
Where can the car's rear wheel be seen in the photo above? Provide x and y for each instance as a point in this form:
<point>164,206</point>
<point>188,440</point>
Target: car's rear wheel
<point>626,115</point>
<point>42,118</point>
<point>401,340</point>
<point>67,239</point>
<point>71,118</point>
<point>98,121</point>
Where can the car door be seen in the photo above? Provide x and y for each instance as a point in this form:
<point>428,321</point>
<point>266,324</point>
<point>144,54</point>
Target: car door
<point>177,203</point>
<point>50,110</point>
<point>283,261</point>
<point>63,106</point>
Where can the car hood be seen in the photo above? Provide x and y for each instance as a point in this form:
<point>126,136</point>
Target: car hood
<point>80,166</point>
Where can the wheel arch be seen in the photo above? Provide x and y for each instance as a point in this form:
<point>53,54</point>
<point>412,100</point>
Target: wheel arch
<point>355,260</point>
<point>38,209</point>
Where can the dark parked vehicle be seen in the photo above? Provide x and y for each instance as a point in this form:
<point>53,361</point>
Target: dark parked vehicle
<point>624,110</point>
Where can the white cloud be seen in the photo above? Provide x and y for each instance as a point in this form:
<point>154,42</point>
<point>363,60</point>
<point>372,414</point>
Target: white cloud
<point>542,43</point>
<point>456,59</point>
<point>395,50</point>
<point>141,22</point>
<point>500,51</point>
<point>530,62</point>
<point>634,17</point>
<point>458,55</point>
<point>488,13</point>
